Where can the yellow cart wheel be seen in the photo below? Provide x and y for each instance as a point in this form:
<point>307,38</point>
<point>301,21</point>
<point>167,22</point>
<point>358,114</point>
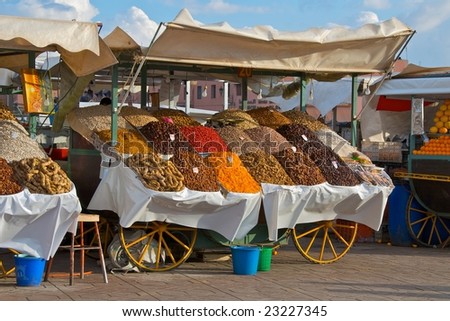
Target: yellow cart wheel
<point>7,265</point>
<point>426,227</point>
<point>326,241</point>
<point>157,246</point>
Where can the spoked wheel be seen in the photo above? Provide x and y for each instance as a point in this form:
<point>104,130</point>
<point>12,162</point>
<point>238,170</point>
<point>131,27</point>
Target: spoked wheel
<point>157,246</point>
<point>426,227</point>
<point>324,242</point>
<point>7,265</point>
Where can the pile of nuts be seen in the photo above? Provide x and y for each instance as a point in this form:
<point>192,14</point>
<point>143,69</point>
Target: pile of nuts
<point>155,173</point>
<point>233,117</point>
<point>198,175</point>
<point>237,140</point>
<point>41,176</point>
<point>129,141</point>
<point>268,116</point>
<point>8,183</point>
<point>299,117</point>
<point>137,117</point>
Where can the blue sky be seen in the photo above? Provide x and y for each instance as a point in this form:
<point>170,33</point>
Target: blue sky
<point>429,47</point>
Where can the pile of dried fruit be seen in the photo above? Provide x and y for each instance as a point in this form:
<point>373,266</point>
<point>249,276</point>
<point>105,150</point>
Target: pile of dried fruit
<point>299,117</point>
<point>198,174</point>
<point>129,141</point>
<point>203,139</point>
<point>268,139</point>
<point>268,116</point>
<point>155,173</point>
<point>231,173</point>
<point>265,168</point>
<point>41,176</point>
<point>165,138</point>
<point>237,140</point>
<point>233,117</point>
<point>8,183</point>
<point>300,167</point>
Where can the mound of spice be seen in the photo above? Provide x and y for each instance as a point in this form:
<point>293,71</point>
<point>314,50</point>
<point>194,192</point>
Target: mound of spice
<point>232,174</point>
<point>237,140</point>
<point>265,168</point>
<point>198,174</point>
<point>300,168</point>
<point>268,139</point>
<point>203,139</point>
<point>165,138</point>
<point>269,116</point>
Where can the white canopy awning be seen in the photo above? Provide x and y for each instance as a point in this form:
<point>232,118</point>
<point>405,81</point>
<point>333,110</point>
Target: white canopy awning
<point>79,44</point>
<point>319,53</point>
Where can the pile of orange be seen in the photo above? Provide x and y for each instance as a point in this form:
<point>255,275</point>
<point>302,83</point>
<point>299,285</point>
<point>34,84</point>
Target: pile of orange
<point>435,146</point>
<point>442,119</point>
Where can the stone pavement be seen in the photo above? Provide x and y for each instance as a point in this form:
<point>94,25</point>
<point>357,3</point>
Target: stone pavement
<point>368,272</point>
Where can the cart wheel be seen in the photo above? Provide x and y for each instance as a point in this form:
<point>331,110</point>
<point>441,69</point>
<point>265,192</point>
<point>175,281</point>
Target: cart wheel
<point>7,265</point>
<point>326,241</point>
<point>157,246</point>
<point>426,227</point>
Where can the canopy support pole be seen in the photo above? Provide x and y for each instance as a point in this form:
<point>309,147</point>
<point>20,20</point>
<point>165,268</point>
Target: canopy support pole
<point>354,123</point>
<point>244,93</point>
<point>144,91</point>
<point>303,93</point>
<point>114,99</point>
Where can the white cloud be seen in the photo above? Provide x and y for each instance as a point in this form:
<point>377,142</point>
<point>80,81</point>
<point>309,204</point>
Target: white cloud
<point>80,10</point>
<point>139,26</point>
<point>377,4</point>
<point>431,16</point>
<point>367,17</point>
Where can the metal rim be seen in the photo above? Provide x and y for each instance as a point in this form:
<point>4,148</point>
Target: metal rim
<point>326,241</point>
<point>157,246</point>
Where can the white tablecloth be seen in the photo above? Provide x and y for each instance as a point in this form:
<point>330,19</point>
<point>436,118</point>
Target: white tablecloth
<point>35,224</point>
<point>286,206</point>
<point>120,191</point>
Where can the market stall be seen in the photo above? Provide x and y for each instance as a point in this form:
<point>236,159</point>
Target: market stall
<point>165,233</point>
<point>35,217</point>
<point>416,101</point>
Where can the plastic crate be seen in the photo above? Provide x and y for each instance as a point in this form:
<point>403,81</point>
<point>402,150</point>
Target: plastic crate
<point>383,151</point>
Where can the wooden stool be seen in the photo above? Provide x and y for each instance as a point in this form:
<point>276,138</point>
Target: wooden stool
<point>82,218</point>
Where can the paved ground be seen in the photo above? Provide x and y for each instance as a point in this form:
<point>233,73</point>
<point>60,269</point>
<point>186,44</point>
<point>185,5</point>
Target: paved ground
<point>369,271</point>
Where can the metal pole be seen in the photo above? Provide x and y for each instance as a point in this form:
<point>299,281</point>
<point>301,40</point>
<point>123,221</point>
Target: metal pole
<point>354,122</point>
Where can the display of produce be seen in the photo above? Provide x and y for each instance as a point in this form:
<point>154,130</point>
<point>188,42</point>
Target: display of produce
<point>300,168</point>
<point>203,139</point>
<point>233,117</point>
<point>174,116</point>
<point>93,118</point>
<point>16,144</point>
<point>137,117</point>
<point>155,173</point>
<point>269,117</point>
<point>198,174</point>
<point>268,139</point>
<point>299,117</point>
<point>333,168</point>
<point>237,140</point>
<point>165,138</point>
<point>265,168</point>
<point>41,176</point>
<point>232,174</point>
<point>442,119</point>
<point>129,141</point>
<point>8,183</point>
<point>435,146</point>
<point>6,114</point>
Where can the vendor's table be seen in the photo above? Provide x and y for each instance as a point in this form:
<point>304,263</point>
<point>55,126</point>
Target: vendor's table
<point>36,224</point>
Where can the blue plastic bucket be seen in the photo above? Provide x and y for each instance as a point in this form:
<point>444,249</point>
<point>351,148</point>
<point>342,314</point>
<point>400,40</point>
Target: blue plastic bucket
<point>29,270</point>
<point>245,259</point>
<point>397,225</point>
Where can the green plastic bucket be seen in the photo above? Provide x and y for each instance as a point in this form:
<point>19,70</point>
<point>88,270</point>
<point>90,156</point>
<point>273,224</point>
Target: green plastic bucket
<point>29,270</point>
<point>245,259</point>
<point>265,259</point>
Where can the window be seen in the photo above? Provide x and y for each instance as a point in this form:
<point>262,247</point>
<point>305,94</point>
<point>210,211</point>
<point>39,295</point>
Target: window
<point>213,91</point>
<point>199,92</point>
<point>238,90</point>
